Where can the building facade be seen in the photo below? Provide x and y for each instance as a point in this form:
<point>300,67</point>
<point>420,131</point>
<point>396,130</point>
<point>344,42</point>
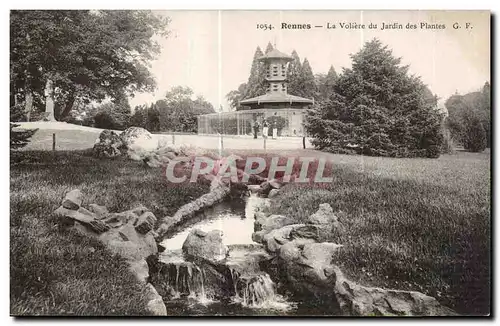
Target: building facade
<point>279,109</point>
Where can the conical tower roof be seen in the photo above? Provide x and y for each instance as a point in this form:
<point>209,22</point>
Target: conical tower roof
<point>275,54</point>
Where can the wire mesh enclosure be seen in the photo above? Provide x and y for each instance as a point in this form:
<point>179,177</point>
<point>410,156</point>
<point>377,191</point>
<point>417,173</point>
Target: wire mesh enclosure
<point>288,122</point>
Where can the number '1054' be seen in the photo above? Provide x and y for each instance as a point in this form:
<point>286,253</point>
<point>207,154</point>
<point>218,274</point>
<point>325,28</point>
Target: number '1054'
<point>265,26</point>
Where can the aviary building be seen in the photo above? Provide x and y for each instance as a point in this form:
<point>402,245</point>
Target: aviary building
<point>276,106</point>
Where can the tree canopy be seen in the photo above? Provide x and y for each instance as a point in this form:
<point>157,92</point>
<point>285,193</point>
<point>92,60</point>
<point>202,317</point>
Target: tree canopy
<point>377,108</point>
<point>466,113</point>
<point>89,55</point>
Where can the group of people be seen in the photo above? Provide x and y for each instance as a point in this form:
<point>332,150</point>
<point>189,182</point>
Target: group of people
<point>265,129</point>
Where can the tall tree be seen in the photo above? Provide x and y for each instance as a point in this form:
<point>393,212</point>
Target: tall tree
<point>295,75</point>
<point>377,109</point>
<point>256,84</point>
<point>464,110</point>
<point>178,110</point>
<point>87,55</point>
<point>325,84</point>
<point>269,48</point>
<point>235,96</point>
<point>309,90</point>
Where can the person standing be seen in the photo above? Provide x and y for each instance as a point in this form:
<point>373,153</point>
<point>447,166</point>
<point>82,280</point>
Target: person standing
<point>255,129</point>
<point>275,131</point>
<point>265,129</point>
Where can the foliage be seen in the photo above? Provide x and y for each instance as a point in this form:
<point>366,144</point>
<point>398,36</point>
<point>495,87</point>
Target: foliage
<point>420,225</point>
<point>310,89</point>
<point>325,84</point>
<point>295,75</point>
<point>276,121</point>
<point>113,115</point>
<point>465,110</point>
<point>178,111</point>
<point>235,96</point>
<point>56,271</point>
<point>377,109</point>
<point>256,84</point>
<point>147,117</point>
<point>89,55</point>
<point>475,136</point>
<point>18,137</point>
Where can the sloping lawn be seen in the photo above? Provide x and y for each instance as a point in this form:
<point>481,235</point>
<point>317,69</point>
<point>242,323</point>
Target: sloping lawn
<point>55,271</point>
<point>413,224</point>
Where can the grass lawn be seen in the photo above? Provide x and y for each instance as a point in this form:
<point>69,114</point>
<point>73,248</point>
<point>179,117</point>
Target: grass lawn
<point>65,140</point>
<point>55,271</point>
<point>413,224</point>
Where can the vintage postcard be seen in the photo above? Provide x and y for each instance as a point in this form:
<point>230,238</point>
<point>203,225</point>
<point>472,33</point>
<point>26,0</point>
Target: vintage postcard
<point>250,163</point>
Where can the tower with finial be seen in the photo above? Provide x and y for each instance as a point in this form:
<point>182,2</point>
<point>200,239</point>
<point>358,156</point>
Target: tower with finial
<point>275,64</point>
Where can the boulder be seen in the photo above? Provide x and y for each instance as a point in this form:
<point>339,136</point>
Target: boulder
<point>145,223</point>
<point>109,144</point>
<point>271,222</point>
<point>84,217</point>
<point>275,184</point>
<point>115,220</point>
<point>324,215</point>
<point>139,143</point>
<point>357,300</point>
<point>155,304</point>
<point>273,193</point>
<point>206,245</point>
<point>100,211</point>
<point>254,188</point>
<point>265,188</point>
<point>128,243</point>
<point>307,265</point>
<point>274,239</point>
<point>72,200</point>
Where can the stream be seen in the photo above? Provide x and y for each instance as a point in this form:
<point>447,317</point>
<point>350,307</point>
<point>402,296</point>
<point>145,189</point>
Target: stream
<point>252,292</point>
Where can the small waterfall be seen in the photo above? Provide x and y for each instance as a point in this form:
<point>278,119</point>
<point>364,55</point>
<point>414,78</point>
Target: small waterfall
<point>186,279</point>
<point>259,291</point>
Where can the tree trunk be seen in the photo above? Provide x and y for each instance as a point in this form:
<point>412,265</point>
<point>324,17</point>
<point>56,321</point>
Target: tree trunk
<point>49,101</point>
<point>28,104</point>
<point>69,105</point>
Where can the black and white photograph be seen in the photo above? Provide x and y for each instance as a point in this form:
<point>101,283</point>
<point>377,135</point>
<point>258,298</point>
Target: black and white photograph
<point>222,163</point>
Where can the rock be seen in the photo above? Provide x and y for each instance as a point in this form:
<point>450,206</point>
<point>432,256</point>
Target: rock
<point>72,200</point>
<point>129,244</point>
<point>254,188</point>
<point>273,193</point>
<point>205,245</point>
<point>83,216</point>
<point>324,215</point>
<point>100,211</point>
<point>109,144</point>
<point>265,188</point>
<point>275,184</point>
<point>307,265</point>
<point>357,300</point>
<point>155,304</point>
<point>271,222</point>
<point>139,143</point>
<point>115,220</point>
<point>139,210</point>
<point>274,239</point>
<point>258,236</point>
<point>145,223</point>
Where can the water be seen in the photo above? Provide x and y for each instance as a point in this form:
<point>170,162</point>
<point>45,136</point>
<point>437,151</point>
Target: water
<point>235,219</point>
<point>236,288</point>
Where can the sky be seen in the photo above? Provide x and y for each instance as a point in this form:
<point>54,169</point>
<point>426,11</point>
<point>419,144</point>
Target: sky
<point>212,51</point>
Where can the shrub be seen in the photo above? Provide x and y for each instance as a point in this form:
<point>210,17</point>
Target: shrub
<point>376,108</point>
<point>475,136</point>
